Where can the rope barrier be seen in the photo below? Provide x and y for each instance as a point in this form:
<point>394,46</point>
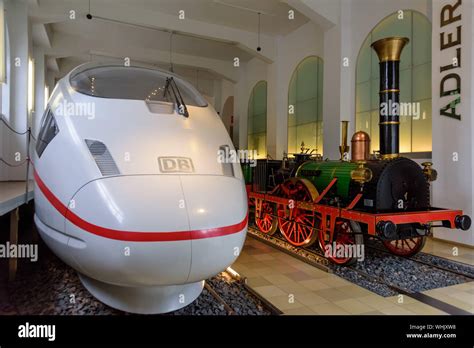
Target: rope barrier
<point>28,157</point>
<point>13,165</point>
<point>2,118</point>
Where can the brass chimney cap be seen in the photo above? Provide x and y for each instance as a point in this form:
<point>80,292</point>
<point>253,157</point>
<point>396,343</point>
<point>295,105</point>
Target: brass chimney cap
<point>389,48</point>
<point>360,136</point>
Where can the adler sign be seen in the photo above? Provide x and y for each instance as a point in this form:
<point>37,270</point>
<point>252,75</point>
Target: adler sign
<point>450,39</point>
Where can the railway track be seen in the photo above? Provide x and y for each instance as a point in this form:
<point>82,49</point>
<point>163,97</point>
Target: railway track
<point>416,258</point>
<point>219,299</point>
<point>312,257</point>
<point>227,301</point>
<point>303,254</point>
<point>419,296</point>
<point>316,254</point>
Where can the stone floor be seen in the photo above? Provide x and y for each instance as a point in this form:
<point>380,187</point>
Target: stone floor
<point>450,251</point>
<point>298,288</point>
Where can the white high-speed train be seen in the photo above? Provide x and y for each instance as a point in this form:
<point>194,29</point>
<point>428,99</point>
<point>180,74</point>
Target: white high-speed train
<point>129,190</point>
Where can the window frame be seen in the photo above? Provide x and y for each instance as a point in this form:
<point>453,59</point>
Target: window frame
<point>45,138</point>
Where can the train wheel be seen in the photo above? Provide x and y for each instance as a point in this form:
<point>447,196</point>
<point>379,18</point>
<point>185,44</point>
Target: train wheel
<point>405,247</point>
<point>266,220</point>
<point>346,242</point>
<point>298,225</point>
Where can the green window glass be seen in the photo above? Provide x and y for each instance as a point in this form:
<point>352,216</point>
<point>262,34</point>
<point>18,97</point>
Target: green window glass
<point>257,119</point>
<point>305,106</point>
<point>415,81</point>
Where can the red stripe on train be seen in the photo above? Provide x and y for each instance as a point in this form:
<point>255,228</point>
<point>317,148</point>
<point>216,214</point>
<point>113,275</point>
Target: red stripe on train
<point>135,236</point>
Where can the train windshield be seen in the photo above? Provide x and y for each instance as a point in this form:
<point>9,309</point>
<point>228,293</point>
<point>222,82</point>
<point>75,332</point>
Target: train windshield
<point>120,82</point>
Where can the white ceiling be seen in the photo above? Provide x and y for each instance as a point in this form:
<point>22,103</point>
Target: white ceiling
<point>75,39</point>
<point>239,14</point>
<point>114,34</point>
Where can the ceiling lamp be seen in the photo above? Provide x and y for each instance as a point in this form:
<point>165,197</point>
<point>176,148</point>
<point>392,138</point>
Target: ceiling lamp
<point>258,37</point>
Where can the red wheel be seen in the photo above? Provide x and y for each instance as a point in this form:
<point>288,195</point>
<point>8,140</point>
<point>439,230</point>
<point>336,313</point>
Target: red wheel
<point>298,225</point>
<point>346,239</point>
<point>265,219</point>
<point>405,247</point>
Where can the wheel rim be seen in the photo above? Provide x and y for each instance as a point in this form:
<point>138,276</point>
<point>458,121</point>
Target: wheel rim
<point>342,236</point>
<point>405,247</point>
<point>298,225</point>
<point>266,220</point>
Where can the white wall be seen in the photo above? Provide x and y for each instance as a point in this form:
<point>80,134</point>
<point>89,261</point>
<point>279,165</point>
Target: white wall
<point>291,50</point>
<point>17,21</point>
<point>227,90</point>
<point>454,187</point>
<point>250,73</point>
<point>5,101</point>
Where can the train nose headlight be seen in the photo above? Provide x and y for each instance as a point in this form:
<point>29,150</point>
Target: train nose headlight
<point>463,222</point>
<point>387,229</point>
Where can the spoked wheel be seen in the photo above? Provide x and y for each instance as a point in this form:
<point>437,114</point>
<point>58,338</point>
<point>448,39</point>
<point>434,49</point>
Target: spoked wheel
<point>298,225</point>
<point>343,246</point>
<point>405,247</point>
<point>265,219</point>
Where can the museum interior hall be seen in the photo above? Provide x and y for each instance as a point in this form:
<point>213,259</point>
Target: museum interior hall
<point>236,157</point>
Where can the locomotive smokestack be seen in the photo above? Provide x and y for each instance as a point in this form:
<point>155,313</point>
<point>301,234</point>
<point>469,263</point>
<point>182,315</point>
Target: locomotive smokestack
<point>389,51</point>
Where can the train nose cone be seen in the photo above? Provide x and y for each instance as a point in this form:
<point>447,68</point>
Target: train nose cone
<point>217,210</point>
<point>155,229</point>
<point>131,230</point>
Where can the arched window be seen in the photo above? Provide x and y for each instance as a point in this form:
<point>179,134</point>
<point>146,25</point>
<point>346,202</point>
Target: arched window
<point>305,106</point>
<point>415,81</point>
<point>257,119</point>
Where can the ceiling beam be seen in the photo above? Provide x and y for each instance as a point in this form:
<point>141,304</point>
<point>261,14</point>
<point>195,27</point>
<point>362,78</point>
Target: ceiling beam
<point>324,13</point>
<point>131,15</point>
<point>42,35</point>
<point>65,45</point>
<point>52,64</point>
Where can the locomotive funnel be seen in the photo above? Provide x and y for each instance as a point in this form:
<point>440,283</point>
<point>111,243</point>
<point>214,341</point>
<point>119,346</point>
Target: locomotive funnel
<point>389,51</point>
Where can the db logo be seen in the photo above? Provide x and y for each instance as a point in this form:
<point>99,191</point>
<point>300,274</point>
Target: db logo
<point>175,165</point>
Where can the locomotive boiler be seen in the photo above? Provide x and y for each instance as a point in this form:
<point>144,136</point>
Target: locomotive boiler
<point>385,195</point>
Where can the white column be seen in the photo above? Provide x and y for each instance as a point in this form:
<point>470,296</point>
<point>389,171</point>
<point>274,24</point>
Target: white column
<point>332,92</point>
<point>453,154</point>
<point>339,71</point>
<point>276,112</point>
<point>17,22</point>
<point>40,82</point>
